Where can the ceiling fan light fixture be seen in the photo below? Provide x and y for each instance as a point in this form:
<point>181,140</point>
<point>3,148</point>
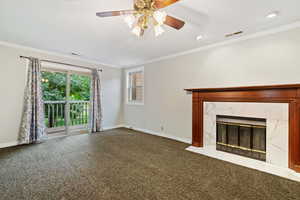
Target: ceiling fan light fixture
<point>129,20</point>
<point>146,13</point>
<point>137,31</point>
<point>158,30</point>
<point>160,17</point>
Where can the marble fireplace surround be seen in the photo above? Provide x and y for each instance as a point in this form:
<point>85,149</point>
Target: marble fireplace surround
<point>278,104</point>
<point>277,126</point>
<point>276,115</point>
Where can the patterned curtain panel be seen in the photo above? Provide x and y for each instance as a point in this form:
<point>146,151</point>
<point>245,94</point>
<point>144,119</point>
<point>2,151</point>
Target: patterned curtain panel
<point>96,108</point>
<point>32,128</point>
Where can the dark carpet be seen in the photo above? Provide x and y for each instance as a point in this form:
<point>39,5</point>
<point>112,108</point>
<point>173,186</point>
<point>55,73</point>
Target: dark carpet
<point>128,165</point>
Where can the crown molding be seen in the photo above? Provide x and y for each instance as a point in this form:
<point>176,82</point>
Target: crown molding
<point>203,48</point>
<point>17,46</point>
<point>279,29</point>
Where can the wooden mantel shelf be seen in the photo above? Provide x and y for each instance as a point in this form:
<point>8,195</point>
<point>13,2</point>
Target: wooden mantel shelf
<point>245,88</point>
<point>289,93</point>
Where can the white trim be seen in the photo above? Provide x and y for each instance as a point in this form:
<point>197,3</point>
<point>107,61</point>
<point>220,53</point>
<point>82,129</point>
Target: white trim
<point>86,129</point>
<point>8,144</point>
<point>133,103</point>
<point>279,29</point>
<point>250,163</point>
<point>112,127</point>
<point>13,45</point>
<point>15,143</point>
<point>62,69</point>
<point>165,135</point>
<point>136,69</point>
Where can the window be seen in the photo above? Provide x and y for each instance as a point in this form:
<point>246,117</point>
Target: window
<point>135,86</point>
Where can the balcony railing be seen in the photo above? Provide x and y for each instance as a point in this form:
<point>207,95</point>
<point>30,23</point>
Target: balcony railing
<point>56,112</point>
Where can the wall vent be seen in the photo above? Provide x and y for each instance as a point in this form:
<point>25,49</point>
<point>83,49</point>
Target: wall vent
<point>234,34</point>
<point>75,54</point>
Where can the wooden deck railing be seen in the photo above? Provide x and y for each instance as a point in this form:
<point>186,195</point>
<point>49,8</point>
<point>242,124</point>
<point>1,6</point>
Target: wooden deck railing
<point>56,112</point>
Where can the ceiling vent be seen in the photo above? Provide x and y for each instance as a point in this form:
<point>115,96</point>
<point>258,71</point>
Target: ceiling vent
<point>234,34</point>
<point>75,54</point>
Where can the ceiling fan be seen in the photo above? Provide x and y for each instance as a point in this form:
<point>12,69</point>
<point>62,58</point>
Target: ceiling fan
<point>146,13</point>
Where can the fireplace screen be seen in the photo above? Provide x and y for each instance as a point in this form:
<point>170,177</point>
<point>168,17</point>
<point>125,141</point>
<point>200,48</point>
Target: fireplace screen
<point>242,136</point>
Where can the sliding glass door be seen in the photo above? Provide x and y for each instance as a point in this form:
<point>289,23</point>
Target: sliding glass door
<point>66,101</point>
<point>79,101</point>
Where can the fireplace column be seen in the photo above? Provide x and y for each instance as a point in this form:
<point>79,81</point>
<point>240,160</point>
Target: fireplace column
<point>197,120</point>
<point>294,136</point>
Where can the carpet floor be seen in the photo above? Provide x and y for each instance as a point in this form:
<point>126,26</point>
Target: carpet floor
<point>129,165</point>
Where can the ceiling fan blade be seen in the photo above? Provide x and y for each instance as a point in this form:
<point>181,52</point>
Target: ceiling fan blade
<point>164,3</point>
<point>114,13</point>
<point>174,23</point>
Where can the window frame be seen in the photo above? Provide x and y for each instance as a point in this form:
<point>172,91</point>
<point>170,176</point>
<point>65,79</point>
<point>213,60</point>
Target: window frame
<point>137,69</point>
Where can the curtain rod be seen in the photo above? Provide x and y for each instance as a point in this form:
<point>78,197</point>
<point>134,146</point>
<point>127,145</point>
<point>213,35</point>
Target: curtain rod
<point>67,64</point>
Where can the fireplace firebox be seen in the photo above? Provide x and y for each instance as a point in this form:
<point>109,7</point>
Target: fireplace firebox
<point>243,136</point>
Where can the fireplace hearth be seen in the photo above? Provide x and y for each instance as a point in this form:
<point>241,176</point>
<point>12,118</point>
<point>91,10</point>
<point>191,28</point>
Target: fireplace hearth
<point>242,136</point>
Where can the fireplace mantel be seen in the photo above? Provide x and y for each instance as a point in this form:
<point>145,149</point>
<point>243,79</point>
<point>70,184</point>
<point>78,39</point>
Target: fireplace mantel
<point>263,94</point>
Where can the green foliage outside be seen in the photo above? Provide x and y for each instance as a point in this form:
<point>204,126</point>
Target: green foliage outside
<point>80,87</point>
<point>54,89</point>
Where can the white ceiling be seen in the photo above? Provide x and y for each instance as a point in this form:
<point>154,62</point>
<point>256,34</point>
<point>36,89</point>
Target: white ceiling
<point>65,26</point>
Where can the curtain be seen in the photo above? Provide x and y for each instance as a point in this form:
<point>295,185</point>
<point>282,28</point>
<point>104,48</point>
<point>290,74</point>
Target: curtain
<point>96,104</point>
<point>32,128</point>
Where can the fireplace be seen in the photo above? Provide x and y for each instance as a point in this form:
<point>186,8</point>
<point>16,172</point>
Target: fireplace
<point>279,105</point>
<point>243,136</point>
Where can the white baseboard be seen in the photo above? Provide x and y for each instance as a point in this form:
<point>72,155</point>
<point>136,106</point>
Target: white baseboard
<point>165,135</point>
<point>15,143</point>
<point>8,144</point>
<point>113,127</point>
<point>169,136</point>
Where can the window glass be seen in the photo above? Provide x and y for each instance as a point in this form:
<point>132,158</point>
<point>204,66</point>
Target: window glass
<point>80,87</point>
<point>136,86</point>
<point>54,86</point>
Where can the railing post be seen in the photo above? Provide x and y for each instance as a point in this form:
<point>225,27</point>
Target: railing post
<point>67,105</point>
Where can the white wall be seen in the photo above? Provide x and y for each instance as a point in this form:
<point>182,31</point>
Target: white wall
<point>272,59</point>
<point>12,83</point>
